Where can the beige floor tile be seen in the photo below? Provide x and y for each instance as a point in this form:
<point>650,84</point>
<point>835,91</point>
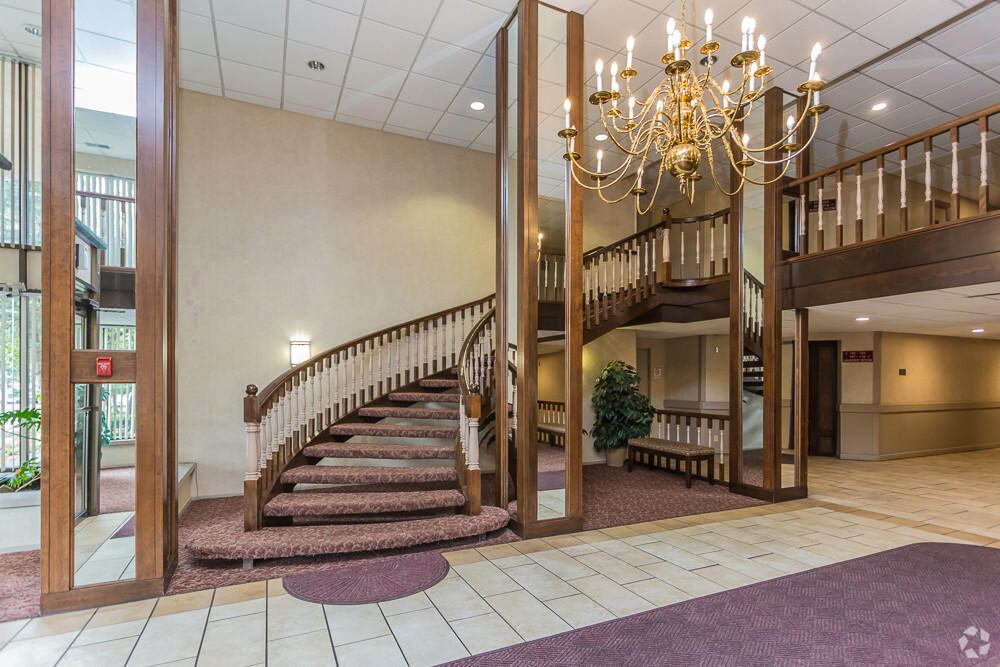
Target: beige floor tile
<point>532,546</point>
<point>403,605</point>
<point>426,638</point>
<point>41,651</point>
<point>512,561</point>
<point>613,568</point>
<point>592,536</point>
<point>175,604</point>
<point>240,593</point>
<point>170,637</point>
<point>658,592</point>
<point>381,651</point>
<point>105,633</point>
<point>563,541</point>
<point>219,612</point>
<point>456,599</point>
<point>783,564</point>
<point>579,610</point>
<point>496,551</point>
<point>806,557</point>
<point>288,616</point>
<point>561,565</point>
<point>527,616</point>
<point>10,628</point>
<point>235,642</point>
<point>486,578</point>
<point>749,567</point>
<point>628,553</point>
<point>461,557</point>
<point>55,624</point>
<point>355,622</point>
<point>675,555</point>
<point>484,633</point>
<point>733,546</point>
<point>313,648</point>
<point>636,540</point>
<point>725,577</point>
<point>105,654</point>
<point>581,549</point>
<point>122,613</point>
<point>620,532</point>
<point>275,587</point>
<point>684,542</point>
<point>617,599</point>
<point>689,582</point>
<point>540,582</point>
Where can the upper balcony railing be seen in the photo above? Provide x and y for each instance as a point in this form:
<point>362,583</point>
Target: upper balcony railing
<point>892,195</point>
<point>106,206</point>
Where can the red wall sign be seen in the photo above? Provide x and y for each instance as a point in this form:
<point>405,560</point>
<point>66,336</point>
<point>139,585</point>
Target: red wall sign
<point>104,367</point>
<point>858,356</point>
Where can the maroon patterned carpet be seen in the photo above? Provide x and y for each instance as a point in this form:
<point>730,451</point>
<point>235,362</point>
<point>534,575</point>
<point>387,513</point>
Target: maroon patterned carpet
<point>20,584</point>
<point>367,583</point>
<point>923,604</point>
<point>117,490</point>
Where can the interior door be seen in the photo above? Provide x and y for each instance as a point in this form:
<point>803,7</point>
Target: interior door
<point>824,390</point>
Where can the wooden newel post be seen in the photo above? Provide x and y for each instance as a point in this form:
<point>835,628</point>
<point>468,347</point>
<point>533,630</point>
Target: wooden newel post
<point>251,419</point>
<point>665,221</point>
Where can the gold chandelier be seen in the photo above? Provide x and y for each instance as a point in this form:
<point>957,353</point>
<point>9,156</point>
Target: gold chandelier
<point>686,115</point>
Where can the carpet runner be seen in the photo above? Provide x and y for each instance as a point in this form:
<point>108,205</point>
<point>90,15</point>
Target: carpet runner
<point>370,582</point>
<point>922,604</point>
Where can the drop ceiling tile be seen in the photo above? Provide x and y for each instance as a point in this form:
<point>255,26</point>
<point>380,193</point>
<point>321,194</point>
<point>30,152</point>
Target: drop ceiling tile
<point>428,92</point>
<point>772,16</point>
<point>467,96</point>
<point>349,6</point>
<point>199,68</point>
<point>395,129</point>
<point>609,23</point>
<point>908,20</point>
<point>970,33</point>
<point>907,64</point>
<point>362,105</point>
<point>460,127</point>
<point>483,148</point>
<point>856,13</point>
<point>104,17</point>
<point>200,7</point>
<point>975,105</point>
<point>508,6</point>
<point>250,47</point>
<point>253,81</point>
<point>298,55</point>
<point>845,54</point>
<point>307,111</point>
<point>794,44</point>
<point>374,78</point>
<point>984,57</point>
<point>106,51</point>
<point>849,92</point>
<point>195,33</point>
<point>488,137</point>
<point>327,28</point>
<point>934,79</point>
<point>956,93</point>
<point>252,99</point>
<point>440,138</point>
<point>484,76</point>
<point>414,117</point>
<point>412,15</point>
<point>466,24</point>
<point>386,45</point>
<point>309,93</point>
<point>267,16</point>
<point>200,87</point>
<point>361,122</point>
<point>444,61</point>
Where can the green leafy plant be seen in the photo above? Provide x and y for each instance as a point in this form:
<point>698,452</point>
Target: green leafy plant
<point>621,412</point>
<point>29,471</point>
<point>25,475</point>
<point>30,419</point>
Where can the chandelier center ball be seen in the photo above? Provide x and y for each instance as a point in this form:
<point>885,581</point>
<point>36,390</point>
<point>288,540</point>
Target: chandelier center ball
<point>683,160</point>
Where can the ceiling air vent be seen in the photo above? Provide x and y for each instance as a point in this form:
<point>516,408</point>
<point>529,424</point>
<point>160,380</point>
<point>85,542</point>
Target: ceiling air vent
<point>102,146</point>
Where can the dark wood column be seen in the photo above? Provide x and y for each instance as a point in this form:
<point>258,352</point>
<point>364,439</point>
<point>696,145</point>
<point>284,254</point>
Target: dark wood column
<point>503,197</point>
<point>735,334</point>
<point>800,418</point>
<point>771,320</point>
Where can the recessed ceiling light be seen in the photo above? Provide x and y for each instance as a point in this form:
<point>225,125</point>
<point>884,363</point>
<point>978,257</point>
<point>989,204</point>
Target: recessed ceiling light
<point>861,319</point>
<point>601,137</point>
<point>879,106</point>
<point>33,30</point>
<point>477,106</point>
<point>316,65</point>
<point>979,331</point>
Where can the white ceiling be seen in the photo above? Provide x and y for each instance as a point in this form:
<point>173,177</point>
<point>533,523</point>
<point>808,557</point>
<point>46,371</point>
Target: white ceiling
<point>949,312</point>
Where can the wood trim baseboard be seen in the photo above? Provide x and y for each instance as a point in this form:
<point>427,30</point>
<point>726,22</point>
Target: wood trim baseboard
<point>97,595</point>
<point>547,527</point>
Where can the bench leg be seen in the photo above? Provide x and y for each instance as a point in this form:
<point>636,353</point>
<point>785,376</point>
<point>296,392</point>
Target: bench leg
<point>687,471</point>
<point>711,470</point>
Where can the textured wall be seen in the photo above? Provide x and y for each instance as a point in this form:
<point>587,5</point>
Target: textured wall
<point>294,226</point>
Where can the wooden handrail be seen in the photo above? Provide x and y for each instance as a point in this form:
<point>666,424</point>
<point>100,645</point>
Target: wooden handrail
<point>465,354</point>
<point>100,195</point>
<point>902,143</point>
<point>695,415</point>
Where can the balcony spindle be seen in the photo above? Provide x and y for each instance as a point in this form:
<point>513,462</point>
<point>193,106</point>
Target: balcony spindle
<point>840,221</point>
<point>820,240</point>
<point>711,248</point>
<point>880,217</point>
<point>903,222</point>
<point>955,215</point>
<point>859,228</point>
<point>983,175</point>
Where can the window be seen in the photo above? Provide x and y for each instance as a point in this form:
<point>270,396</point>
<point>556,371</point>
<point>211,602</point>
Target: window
<point>20,371</point>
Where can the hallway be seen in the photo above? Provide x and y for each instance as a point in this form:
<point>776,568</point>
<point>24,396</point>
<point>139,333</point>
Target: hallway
<point>505,594</point>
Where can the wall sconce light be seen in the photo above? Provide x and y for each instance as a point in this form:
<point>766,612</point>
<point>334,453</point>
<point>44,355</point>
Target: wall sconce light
<point>299,351</point>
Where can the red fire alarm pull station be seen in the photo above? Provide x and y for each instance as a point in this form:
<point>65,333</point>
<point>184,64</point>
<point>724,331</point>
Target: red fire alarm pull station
<point>104,367</point>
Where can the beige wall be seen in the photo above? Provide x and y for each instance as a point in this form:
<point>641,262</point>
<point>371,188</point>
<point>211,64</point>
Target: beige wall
<point>618,344</point>
<point>552,377</point>
<point>293,226</point>
<point>695,376</point>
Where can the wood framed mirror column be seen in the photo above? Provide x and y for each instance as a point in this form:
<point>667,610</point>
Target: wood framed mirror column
<point>68,364</point>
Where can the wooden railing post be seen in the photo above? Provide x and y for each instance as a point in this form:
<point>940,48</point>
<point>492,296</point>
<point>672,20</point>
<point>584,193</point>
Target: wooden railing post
<point>251,497</point>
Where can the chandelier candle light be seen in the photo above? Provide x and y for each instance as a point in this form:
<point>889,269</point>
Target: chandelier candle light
<point>686,115</point>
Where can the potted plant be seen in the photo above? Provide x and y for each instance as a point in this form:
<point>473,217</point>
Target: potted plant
<point>26,476</point>
<point>621,412</point>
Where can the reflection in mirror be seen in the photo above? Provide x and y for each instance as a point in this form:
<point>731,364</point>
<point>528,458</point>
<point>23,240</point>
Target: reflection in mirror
<point>105,127</point>
<point>552,207</point>
<point>513,169</point>
<point>787,435</point>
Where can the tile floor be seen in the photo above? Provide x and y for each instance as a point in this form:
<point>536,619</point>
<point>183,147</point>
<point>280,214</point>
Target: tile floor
<point>504,594</point>
<point>100,558</point>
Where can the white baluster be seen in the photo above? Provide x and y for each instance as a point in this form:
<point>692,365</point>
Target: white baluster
<point>902,183</point>
<point>819,208</point>
<point>253,451</point>
<point>839,201</point>
<point>983,176</point>
<point>265,444</point>
<point>880,192</point>
<point>927,178</point>
<point>472,447</point>
<point>954,168</point>
<point>857,180</point>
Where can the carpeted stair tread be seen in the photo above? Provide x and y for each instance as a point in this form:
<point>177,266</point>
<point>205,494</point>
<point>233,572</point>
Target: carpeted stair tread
<point>439,383</point>
<point>367,450</point>
<point>408,413</point>
<point>286,541</point>
<point>423,397</point>
<point>328,504</point>
<point>367,474</point>
<point>394,430</point>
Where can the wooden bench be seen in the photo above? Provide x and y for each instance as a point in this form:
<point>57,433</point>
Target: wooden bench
<point>658,449</point>
<point>552,434</point>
